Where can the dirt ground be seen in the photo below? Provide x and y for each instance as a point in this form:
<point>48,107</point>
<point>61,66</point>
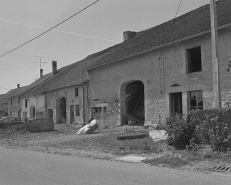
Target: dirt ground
<point>104,145</point>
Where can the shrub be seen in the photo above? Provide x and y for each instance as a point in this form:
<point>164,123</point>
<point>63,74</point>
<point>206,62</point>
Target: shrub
<point>179,131</point>
<point>213,126</point>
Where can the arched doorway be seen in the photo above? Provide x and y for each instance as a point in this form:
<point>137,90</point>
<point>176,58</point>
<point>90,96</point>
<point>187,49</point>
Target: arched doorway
<point>32,112</point>
<point>62,117</point>
<point>132,105</point>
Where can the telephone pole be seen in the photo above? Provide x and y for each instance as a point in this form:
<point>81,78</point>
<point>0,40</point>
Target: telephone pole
<point>215,61</point>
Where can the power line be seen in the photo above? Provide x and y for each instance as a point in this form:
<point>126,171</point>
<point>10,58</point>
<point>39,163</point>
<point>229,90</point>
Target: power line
<point>4,88</point>
<point>72,33</point>
<point>50,29</point>
<point>178,8</point>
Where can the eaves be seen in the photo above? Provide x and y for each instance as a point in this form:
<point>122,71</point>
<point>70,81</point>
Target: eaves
<point>159,47</point>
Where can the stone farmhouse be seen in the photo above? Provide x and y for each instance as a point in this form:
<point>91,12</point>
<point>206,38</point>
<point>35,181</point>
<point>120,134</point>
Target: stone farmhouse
<point>152,74</point>
<point>163,70</point>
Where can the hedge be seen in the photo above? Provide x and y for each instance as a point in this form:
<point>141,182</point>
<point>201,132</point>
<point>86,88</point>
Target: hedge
<point>212,126</point>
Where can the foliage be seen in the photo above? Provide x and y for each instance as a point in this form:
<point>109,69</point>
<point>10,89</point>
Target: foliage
<point>179,131</point>
<point>213,127</point>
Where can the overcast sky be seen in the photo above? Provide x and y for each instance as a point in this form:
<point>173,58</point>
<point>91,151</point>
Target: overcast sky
<point>95,29</point>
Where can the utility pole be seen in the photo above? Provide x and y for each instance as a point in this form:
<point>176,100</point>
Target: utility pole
<point>215,61</point>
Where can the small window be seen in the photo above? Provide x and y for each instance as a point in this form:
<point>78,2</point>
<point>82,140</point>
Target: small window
<point>25,103</point>
<point>194,60</point>
<point>77,113</point>
<point>50,113</point>
<point>24,114</point>
<point>76,92</point>
<point>196,100</point>
<point>11,101</point>
<point>18,99</point>
<point>19,114</point>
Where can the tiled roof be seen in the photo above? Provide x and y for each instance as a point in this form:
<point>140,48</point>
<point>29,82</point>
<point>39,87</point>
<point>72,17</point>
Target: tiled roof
<point>189,24</point>
<point>2,98</point>
<point>25,89</point>
<point>186,25</point>
<point>74,74</point>
<point>42,87</point>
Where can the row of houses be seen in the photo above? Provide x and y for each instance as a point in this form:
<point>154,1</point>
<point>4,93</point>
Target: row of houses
<point>150,75</point>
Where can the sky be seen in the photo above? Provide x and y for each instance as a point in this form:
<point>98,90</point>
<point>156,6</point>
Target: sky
<point>97,28</point>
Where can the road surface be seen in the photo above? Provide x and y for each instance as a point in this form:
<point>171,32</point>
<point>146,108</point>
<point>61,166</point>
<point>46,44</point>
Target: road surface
<point>19,167</point>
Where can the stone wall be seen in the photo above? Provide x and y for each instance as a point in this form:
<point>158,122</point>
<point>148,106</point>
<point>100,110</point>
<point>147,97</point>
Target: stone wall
<point>40,125</point>
<point>159,70</point>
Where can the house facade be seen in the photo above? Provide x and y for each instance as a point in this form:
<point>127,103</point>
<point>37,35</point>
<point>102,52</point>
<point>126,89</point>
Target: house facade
<point>163,71</point>
<point>3,105</point>
<point>33,106</point>
<point>66,105</point>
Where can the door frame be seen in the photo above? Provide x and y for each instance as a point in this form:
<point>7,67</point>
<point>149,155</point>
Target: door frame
<point>172,102</point>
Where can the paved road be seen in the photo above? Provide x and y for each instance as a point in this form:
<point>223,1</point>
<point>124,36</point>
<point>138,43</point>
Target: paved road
<point>32,168</point>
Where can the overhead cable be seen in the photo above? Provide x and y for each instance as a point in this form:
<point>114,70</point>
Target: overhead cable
<point>178,8</point>
<point>61,31</point>
<point>49,29</point>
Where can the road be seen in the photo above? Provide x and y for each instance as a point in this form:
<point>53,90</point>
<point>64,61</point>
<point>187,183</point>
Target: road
<point>19,167</point>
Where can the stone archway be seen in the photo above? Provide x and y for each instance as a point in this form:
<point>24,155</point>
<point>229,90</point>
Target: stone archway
<point>61,110</point>
<point>32,112</point>
<point>133,106</point>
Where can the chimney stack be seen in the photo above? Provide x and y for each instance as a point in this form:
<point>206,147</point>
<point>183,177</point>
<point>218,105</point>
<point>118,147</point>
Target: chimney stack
<point>18,86</point>
<point>41,73</point>
<point>128,35</point>
<point>54,67</point>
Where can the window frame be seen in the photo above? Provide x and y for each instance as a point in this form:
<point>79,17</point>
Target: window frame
<point>77,113</point>
<point>188,61</point>
<point>76,92</point>
<point>197,100</point>
<point>26,102</point>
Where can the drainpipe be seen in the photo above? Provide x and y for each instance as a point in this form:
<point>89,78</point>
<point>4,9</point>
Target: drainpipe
<point>45,106</point>
<point>84,120</point>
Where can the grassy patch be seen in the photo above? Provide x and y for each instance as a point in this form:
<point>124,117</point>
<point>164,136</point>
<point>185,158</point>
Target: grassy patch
<point>169,161</point>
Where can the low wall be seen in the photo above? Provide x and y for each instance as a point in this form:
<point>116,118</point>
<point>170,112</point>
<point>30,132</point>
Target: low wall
<point>16,125</point>
<point>40,125</point>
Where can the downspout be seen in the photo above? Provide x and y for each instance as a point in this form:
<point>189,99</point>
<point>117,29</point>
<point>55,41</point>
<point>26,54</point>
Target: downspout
<point>45,106</point>
<point>36,107</point>
<point>84,121</point>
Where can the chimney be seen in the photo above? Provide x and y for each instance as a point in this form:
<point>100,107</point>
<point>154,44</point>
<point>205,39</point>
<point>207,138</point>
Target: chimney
<point>54,67</point>
<point>18,85</point>
<point>128,35</point>
<point>41,73</point>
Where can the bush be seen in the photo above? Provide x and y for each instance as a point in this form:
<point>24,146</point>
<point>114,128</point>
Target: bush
<point>40,125</point>
<point>213,126</point>
<point>179,131</point>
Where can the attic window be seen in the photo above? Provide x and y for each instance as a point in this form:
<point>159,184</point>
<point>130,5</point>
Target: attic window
<point>76,92</point>
<point>194,60</point>
<point>25,103</point>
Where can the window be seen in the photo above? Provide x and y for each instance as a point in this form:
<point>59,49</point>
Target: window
<point>76,92</point>
<point>194,60</point>
<point>24,115</point>
<point>26,103</point>
<point>196,100</point>
<point>19,114</point>
<point>77,113</point>
<point>18,99</point>
<point>50,113</point>
<point>11,101</point>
